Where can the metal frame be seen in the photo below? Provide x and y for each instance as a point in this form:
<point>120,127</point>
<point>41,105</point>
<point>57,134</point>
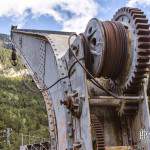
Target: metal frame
<point>46,55</point>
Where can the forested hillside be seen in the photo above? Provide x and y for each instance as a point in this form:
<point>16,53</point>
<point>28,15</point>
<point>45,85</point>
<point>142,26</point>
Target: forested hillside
<point>21,110</point>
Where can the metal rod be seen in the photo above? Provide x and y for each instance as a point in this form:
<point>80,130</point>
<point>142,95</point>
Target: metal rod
<point>105,102</point>
<point>120,97</point>
<point>111,101</point>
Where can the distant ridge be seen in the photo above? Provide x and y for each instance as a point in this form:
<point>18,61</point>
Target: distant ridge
<point>4,37</point>
<point>5,41</point>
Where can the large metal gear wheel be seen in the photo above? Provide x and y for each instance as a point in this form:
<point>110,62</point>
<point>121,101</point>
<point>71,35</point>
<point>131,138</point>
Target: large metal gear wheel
<point>137,24</point>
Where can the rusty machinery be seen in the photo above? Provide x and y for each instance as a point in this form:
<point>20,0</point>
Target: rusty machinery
<point>95,83</point>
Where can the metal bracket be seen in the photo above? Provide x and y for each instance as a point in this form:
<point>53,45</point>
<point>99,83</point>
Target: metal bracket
<point>74,104</point>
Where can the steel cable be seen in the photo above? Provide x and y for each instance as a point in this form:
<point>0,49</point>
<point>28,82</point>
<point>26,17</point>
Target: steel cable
<point>93,80</point>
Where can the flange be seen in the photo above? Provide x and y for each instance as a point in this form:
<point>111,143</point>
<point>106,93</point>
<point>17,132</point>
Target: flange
<point>95,37</point>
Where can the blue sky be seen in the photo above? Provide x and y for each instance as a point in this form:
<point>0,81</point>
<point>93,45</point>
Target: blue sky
<point>63,15</point>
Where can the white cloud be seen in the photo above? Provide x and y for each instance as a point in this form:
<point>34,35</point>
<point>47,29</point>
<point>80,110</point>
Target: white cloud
<point>83,10</point>
<point>134,3</point>
<point>17,8</point>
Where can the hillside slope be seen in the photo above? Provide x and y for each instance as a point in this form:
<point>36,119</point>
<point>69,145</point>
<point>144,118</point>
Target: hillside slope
<point>21,109</point>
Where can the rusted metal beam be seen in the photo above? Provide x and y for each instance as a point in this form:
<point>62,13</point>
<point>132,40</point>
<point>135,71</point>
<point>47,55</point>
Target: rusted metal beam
<point>121,97</point>
<point>111,101</point>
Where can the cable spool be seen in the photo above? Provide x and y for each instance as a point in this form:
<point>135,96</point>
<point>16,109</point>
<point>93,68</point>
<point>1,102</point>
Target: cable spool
<point>108,46</point>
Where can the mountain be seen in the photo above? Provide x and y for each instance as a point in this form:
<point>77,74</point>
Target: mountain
<point>4,37</point>
<point>5,40</point>
<point>22,111</point>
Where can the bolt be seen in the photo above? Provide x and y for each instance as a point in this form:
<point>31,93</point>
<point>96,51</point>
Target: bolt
<point>69,123</point>
<point>70,134</point>
<point>61,102</point>
<point>77,145</point>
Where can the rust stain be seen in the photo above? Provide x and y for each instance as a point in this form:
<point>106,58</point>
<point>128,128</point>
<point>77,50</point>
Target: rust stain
<point>119,148</point>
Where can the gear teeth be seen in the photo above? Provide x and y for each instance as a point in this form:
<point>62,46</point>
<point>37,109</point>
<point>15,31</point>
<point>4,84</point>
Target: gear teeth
<point>142,26</point>
<point>130,10</point>
<point>143,52</point>
<point>141,20</point>
<point>139,16</point>
<point>137,12</point>
<point>144,39</point>
<point>143,59</point>
<point>142,66</point>
<point>98,127</point>
<point>143,32</point>
<point>124,8</point>
<point>136,82</point>
<point>144,45</point>
<point>142,70</point>
<point>140,76</point>
<point>133,87</point>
